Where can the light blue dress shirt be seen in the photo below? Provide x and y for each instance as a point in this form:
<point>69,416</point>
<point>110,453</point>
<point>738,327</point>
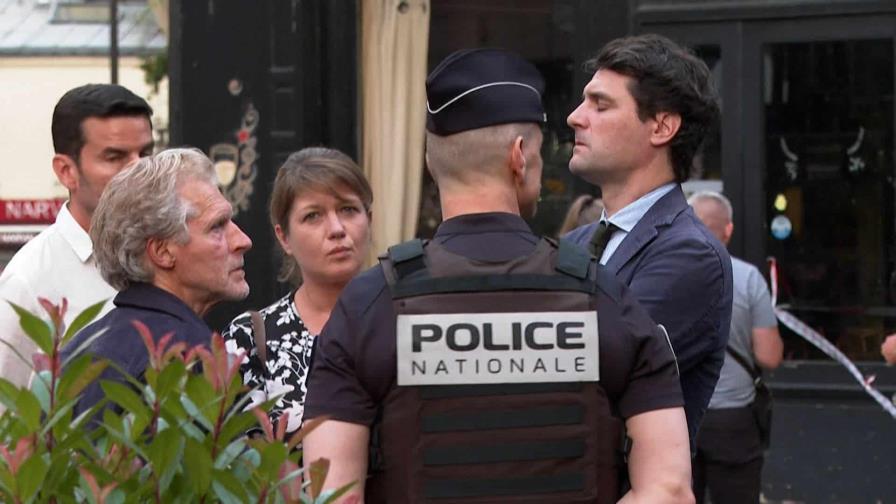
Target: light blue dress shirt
<point>628,217</point>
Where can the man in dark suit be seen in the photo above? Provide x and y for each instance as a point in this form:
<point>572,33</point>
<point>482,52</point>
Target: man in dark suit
<point>644,115</point>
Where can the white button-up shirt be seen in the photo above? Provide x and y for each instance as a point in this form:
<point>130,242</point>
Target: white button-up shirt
<point>56,263</point>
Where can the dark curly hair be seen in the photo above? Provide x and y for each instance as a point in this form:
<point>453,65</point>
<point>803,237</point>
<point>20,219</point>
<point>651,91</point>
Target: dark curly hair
<point>666,78</point>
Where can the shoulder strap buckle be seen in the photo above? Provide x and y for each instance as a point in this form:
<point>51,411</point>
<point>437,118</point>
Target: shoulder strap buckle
<point>572,259</point>
<point>407,257</point>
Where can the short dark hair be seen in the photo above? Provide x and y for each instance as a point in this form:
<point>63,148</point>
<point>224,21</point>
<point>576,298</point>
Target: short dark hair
<point>91,100</point>
<point>666,77</point>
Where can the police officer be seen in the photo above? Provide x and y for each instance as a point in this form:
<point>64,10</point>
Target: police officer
<point>487,365</point>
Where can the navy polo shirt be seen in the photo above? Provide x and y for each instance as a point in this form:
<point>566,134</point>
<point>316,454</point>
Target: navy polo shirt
<point>354,367</point>
<point>161,311</point>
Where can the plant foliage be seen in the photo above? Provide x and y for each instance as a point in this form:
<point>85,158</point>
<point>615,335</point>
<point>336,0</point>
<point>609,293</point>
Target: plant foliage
<point>176,435</point>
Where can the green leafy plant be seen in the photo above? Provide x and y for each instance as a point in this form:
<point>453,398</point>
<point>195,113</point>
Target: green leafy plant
<point>176,435</point>
<point>155,69</point>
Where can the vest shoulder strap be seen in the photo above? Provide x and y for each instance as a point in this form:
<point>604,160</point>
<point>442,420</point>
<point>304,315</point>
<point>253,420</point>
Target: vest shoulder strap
<point>577,262</point>
<point>407,258</point>
<point>572,259</point>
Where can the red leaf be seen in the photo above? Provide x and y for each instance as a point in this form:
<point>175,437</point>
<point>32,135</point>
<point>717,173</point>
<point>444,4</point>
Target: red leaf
<point>163,342</point>
<point>146,334</point>
<point>41,362</point>
<point>265,422</point>
<point>234,360</point>
<point>192,354</point>
<point>91,482</point>
<point>292,489</point>
<point>208,367</point>
<point>23,449</point>
<point>22,452</point>
<point>317,472</point>
<point>281,427</point>
<point>55,312</point>
<point>10,461</point>
<point>105,492</point>
<point>176,351</point>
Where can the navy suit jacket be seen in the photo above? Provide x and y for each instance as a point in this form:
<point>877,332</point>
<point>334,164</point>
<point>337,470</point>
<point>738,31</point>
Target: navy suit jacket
<point>682,275</point>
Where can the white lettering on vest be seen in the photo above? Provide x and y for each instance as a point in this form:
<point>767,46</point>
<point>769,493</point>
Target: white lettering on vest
<point>479,348</point>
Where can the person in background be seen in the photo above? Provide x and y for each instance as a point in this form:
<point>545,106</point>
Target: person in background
<point>320,212</point>
<point>888,349</point>
<point>164,237</point>
<point>644,115</point>
<point>97,129</point>
<point>584,210</point>
<point>729,453</point>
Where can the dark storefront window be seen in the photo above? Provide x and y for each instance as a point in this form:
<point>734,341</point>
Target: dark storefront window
<point>706,172</point>
<point>829,189</point>
<point>543,32</point>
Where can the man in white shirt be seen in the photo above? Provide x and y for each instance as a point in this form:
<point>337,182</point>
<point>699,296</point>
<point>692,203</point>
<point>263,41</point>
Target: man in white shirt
<point>97,129</point>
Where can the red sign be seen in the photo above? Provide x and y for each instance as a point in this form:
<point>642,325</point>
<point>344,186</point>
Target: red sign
<point>29,211</point>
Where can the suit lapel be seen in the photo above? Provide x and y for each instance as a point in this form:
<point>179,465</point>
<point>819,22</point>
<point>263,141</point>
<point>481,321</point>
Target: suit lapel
<point>661,214</point>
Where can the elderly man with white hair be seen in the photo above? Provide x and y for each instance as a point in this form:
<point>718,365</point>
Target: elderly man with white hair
<point>164,237</point>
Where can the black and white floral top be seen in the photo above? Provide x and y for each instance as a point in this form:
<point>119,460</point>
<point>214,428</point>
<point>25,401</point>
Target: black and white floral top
<point>289,345</point>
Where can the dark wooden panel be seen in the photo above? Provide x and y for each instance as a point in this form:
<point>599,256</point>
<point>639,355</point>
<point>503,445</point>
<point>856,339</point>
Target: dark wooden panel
<point>283,54</point>
<point>669,11</point>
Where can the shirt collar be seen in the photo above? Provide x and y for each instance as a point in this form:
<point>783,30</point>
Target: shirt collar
<point>74,234</point>
<point>146,296</point>
<point>628,217</point>
<point>490,222</point>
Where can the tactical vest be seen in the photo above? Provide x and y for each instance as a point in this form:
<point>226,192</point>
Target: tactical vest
<point>521,442</point>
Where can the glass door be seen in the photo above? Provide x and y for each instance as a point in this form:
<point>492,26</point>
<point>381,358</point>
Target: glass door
<point>823,185</point>
<point>807,150</point>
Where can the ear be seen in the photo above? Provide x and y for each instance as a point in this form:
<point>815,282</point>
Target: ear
<point>66,171</point>
<point>160,253</point>
<point>282,238</point>
<point>729,230</point>
<point>518,161</point>
<point>432,173</point>
<point>665,127</point>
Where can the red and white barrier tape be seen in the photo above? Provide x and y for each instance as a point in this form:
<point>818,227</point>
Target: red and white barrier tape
<point>822,343</point>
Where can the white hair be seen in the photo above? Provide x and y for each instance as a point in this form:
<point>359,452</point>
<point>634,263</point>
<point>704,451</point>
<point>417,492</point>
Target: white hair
<point>718,198</point>
<point>142,202</point>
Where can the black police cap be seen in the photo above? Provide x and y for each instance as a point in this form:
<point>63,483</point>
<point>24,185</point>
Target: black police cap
<point>482,87</point>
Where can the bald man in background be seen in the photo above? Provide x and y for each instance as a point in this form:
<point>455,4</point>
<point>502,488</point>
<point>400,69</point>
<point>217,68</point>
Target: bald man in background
<point>729,449</point>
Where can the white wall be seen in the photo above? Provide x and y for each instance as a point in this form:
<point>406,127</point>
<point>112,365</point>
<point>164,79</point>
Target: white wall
<point>29,89</point>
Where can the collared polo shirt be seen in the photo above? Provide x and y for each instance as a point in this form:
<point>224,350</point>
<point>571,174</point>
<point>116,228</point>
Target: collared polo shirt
<point>57,263</point>
<point>626,218</point>
<point>161,311</point>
